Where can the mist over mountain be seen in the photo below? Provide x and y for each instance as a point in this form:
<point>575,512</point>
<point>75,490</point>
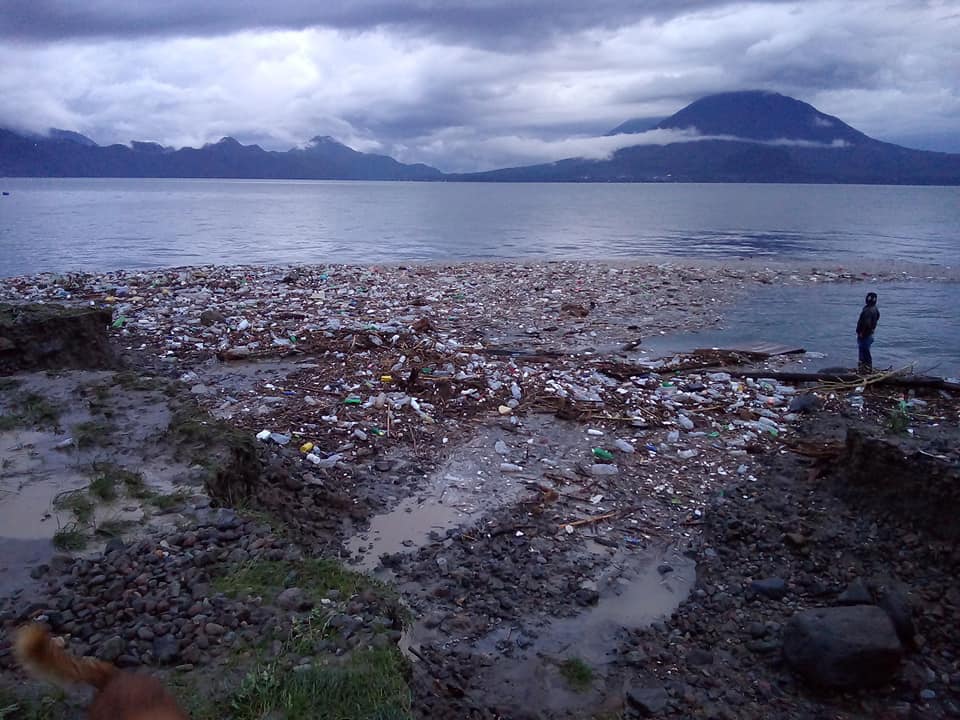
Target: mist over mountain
<point>746,136</point>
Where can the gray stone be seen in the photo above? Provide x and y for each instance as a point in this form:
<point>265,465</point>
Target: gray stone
<point>293,599</point>
<point>843,647</point>
<point>893,601</point>
<point>166,649</point>
<point>855,594</point>
<point>649,701</point>
<point>699,657</point>
<point>212,317</point>
<point>773,588</point>
<point>214,629</point>
<point>112,648</point>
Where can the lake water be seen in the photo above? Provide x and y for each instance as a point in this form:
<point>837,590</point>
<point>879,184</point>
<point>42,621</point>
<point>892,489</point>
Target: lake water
<point>919,325</point>
<point>97,224</point>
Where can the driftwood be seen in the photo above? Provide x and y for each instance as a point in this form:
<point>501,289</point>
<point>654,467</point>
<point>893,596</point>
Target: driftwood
<point>910,381</point>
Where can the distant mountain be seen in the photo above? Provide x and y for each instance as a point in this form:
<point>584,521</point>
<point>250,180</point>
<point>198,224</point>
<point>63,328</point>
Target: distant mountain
<point>634,126</point>
<point>750,136</point>
<point>67,154</point>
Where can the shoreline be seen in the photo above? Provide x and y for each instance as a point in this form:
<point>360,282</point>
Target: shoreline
<point>484,443</point>
<point>881,270</point>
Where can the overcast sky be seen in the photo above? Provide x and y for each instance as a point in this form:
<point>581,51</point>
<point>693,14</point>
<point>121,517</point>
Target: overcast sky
<point>463,84</point>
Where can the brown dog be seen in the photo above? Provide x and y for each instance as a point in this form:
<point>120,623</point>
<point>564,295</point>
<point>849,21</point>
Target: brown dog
<point>120,695</point>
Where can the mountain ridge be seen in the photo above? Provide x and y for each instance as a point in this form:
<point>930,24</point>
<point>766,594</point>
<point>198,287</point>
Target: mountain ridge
<point>65,154</point>
<point>742,136</point>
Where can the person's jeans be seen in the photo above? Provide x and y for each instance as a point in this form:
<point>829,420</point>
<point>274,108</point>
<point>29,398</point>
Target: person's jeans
<point>863,345</point>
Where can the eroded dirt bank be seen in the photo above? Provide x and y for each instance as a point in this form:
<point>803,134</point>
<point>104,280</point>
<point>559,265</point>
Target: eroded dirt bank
<point>465,492</point>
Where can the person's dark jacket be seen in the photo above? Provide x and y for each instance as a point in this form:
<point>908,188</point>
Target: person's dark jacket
<point>869,317</point>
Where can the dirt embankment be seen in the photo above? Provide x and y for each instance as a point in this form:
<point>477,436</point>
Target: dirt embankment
<point>47,337</point>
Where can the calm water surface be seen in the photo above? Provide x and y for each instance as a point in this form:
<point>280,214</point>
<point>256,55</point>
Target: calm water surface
<point>101,224</point>
<point>919,325</point>
<point>97,224</point>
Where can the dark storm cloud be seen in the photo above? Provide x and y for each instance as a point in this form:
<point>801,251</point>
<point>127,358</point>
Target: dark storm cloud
<point>464,84</point>
<point>484,22</point>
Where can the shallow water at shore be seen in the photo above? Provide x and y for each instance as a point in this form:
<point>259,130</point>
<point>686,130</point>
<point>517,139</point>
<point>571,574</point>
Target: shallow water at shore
<point>56,224</point>
<point>919,325</point>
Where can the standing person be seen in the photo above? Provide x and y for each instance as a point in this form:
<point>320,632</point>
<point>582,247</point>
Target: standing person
<point>869,317</point>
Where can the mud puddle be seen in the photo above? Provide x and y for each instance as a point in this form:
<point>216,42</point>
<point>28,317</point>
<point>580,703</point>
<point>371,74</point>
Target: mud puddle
<point>526,663</point>
<point>81,455</point>
<point>488,471</point>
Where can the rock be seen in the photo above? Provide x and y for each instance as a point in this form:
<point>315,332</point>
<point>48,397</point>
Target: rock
<point>808,402</point>
<point>214,629</point>
<point>212,317</point>
<point>292,482</point>
<point>112,648</point>
<point>586,596</point>
<point>145,633</point>
<point>893,601</point>
<point>166,649</point>
<point>843,647</point>
<point>856,593</point>
<point>293,599</point>
<point>649,701</point>
<point>697,657</point>
<point>773,588</point>
<point>114,544</point>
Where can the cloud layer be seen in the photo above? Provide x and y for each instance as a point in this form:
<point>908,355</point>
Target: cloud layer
<point>464,85</point>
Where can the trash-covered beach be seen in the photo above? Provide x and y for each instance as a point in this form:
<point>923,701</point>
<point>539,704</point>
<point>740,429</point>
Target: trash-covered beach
<point>475,476</point>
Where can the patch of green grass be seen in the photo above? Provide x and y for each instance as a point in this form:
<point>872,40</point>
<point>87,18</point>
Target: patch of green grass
<point>116,475</point>
<point>577,673</point>
<point>31,410</point>
<point>70,537</point>
<point>98,399</point>
<point>167,501</point>
<point>15,707</point>
<point>77,502</point>
<point>8,383</point>
<point>130,380</point>
<point>103,487</point>
<point>369,685</point>
<point>92,433</point>
<point>315,575</point>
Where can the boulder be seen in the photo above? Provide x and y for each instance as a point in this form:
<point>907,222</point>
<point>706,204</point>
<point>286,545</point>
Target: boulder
<point>843,647</point>
<point>648,701</point>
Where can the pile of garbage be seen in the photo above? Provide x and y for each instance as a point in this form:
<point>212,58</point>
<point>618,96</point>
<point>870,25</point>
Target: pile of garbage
<point>413,355</point>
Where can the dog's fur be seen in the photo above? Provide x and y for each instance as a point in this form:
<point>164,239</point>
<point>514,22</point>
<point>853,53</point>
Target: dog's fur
<point>120,695</point>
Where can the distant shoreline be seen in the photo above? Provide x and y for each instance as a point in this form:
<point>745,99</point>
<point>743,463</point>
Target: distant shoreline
<point>876,271</point>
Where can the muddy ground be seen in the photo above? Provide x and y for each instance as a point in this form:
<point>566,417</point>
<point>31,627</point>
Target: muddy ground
<point>586,546</point>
